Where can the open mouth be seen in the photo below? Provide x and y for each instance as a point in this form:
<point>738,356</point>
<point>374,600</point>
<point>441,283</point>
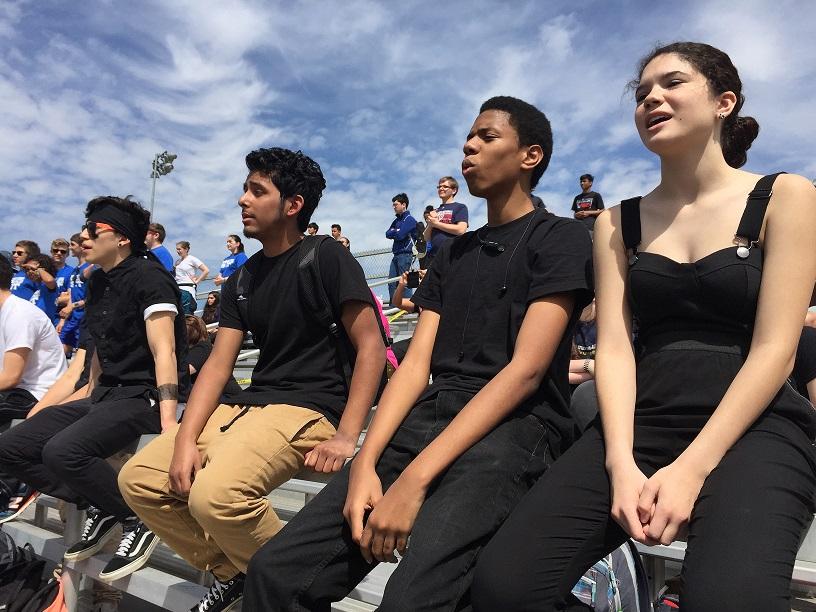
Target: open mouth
<point>653,121</point>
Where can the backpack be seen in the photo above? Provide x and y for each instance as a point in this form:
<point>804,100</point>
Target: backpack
<point>313,297</point>
<point>20,574</point>
<point>616,583</point>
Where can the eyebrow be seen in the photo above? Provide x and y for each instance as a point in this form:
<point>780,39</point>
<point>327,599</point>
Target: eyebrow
<point>482,130</point>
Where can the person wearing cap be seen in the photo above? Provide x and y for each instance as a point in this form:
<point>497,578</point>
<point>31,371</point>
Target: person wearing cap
<point>131,308</point>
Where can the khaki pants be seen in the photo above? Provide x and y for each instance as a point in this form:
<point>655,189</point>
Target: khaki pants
<point>226,517</point>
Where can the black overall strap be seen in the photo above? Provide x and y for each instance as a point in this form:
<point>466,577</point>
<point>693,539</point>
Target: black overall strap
<point>750,226</point>
<point>630,223</point>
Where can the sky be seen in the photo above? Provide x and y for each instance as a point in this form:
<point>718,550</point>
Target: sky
<point>381,94</point>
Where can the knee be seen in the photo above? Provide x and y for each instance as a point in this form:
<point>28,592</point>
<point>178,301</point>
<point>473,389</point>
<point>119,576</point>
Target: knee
<point>211,501</point>
<point>57,455</point>
<point>10,453</point>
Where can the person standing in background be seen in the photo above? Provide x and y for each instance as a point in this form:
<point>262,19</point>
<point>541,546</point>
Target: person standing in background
<point>234,259</point>
<point>153,239</point>
<point>588,204</point>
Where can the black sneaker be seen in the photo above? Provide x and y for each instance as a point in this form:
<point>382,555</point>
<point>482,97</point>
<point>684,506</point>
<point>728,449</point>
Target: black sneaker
<point>134,550</point>
<point>98,530</point>
<point>222,596</point>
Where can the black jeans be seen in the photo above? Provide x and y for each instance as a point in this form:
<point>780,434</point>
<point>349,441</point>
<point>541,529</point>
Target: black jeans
<point>61,450</point>
<point>313,560</point>
<point>743,535</point>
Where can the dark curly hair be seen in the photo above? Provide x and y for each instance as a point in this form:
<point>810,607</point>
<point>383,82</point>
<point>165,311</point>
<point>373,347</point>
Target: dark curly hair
<point>46,263</point>
<point>737,132</point>
<point>531,125</point>
<point>293,173</point>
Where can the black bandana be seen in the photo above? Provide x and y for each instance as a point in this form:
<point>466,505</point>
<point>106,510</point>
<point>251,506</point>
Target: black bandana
<point>123,223</point>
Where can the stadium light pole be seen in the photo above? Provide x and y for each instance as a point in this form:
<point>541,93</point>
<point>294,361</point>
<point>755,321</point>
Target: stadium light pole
<point>162,164</point>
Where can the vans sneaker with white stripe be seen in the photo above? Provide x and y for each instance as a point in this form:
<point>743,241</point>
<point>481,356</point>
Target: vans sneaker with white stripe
<point>138,542</point>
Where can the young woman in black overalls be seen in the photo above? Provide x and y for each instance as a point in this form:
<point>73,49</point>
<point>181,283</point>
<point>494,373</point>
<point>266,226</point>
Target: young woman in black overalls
<point>700,434</point>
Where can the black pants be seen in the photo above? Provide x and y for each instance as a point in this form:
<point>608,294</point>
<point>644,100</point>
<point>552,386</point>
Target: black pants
<point>313,560</point>
<point>61,450</point>
<point>743,536</point>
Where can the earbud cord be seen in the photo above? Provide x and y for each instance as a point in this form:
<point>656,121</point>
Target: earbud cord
<point>502,289</point>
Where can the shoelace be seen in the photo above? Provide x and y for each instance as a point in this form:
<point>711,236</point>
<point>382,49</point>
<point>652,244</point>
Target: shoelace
<point>92,516</point>
<point>214,595</point>
<point>125,544</point>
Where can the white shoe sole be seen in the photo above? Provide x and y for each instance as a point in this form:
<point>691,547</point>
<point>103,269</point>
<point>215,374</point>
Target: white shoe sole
<point>90,552</point>
<point>131,567</point>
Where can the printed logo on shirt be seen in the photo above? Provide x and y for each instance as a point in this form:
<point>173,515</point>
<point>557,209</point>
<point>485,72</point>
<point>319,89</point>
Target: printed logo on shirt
<point>34,297</point>
<point>584,203</point>
<point>444,216</point>
<point>16,282</point>
<point>227,262</point>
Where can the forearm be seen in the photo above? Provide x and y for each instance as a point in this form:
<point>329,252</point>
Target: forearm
<point>202,276</point>
<point>202,401</point>
<point>399,397</point>
<point>455,229</point>
<point>167,384</point>
<point>615,384</point>
<point>399,294</point>
<point>8,381</point>
<point>368,368</point>
<point>755,385</point>
<point>503,394</point>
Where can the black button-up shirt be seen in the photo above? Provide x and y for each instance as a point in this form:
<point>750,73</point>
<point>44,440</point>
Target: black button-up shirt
<point>115,307</point>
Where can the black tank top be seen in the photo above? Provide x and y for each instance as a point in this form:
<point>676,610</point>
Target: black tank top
<point>717,293</point>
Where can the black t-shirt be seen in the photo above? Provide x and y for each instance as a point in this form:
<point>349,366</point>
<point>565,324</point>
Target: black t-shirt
<point>479,322</point>
<point>298,362</point>
<point>804,368</point>
<point>116,304</point>
<point>197,356</point>
<point>588,201</point>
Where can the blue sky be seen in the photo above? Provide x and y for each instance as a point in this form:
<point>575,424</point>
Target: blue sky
<point>381,94</point>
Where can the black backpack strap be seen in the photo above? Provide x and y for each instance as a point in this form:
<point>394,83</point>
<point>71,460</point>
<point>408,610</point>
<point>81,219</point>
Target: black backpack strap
<point>630,225</point>
<point>314,298</point>
<point>750,225</point>
<point>242,291</point>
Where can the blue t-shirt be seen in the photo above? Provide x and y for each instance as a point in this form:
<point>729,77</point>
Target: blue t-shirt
<point>22,286</point>
<point>232,262</point>
<point>46,300</point>
<point>63,278</point>
<point>76,285</point>
<point>447,213</point>
<point>164,257</point>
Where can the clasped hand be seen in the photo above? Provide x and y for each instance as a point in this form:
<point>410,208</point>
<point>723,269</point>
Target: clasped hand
<point>391,516</point>
<point>654,510</point>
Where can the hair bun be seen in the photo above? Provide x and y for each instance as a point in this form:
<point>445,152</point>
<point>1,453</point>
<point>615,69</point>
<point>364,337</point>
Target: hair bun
<point>737,136</point>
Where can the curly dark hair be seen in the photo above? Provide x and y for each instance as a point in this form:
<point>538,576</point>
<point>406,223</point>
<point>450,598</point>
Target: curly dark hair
<point>737,132</point>
<point>531,125</point>
<point>293,173</point>
<point>46,263</point>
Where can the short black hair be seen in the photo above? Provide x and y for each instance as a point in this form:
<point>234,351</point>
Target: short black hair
<point>337,225</point>
<point>588,177</point>
<point>293,173</point>
<point>401,197</point>
<point>6,272</point>
<point>314,226</point>
<point>531,125</point>
<point>429,208</point>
